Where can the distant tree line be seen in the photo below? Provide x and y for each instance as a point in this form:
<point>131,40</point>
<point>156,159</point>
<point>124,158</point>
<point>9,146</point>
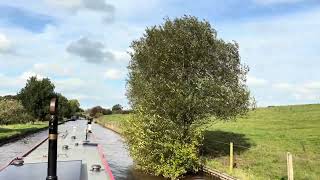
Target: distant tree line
<point>98,111</point>
<point>32,103</point>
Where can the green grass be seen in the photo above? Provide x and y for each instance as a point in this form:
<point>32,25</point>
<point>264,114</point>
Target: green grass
<point>8,131</point>
<point>114,121</point>
<point>261,141</point>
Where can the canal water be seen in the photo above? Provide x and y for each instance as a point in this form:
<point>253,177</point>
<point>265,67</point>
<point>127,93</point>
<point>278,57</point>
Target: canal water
<point>116,153</point>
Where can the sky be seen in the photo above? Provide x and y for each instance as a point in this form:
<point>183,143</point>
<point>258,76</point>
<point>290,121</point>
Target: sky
<point>83,45</point>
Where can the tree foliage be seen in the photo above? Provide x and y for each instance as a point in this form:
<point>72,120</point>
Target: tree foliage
<point>12,112</point>
<point>64,109</point>
<point>117,108</point>
<point>74,106</point>
<point>98,111</point>
<point>67,108</point>
<point>9,97</point>
<point>36,95</point>
<point>106,111</point>
<point>180,73</point>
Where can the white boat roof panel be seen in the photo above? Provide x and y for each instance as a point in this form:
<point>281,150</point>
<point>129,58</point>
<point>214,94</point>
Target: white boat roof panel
<point>69,170</point>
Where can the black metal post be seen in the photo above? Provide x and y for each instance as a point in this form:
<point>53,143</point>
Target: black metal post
<point>53,138</point>
<point>87,134</point>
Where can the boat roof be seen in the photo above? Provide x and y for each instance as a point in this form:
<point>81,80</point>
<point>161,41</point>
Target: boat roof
<point>67,170</point>
<point>75,157</point>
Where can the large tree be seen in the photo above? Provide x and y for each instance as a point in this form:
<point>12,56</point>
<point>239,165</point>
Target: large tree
<point>180,74</point>
<point>117,108</point>
<point>74,106</point>
<point>64,108</point>
<point>35,96</point>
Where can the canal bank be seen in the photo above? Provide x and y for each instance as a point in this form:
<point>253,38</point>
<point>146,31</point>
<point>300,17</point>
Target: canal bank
<point>110,126</point>
<point>14,132</point>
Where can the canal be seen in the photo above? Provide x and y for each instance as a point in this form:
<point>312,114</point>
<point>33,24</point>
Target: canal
<point>116,153</point>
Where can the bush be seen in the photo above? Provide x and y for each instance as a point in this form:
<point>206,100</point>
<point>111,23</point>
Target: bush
<point>12,112</point>
<point>180,73</point>
<point>106,111</point>
<point>95,110</point>
<point>98,111</point>
<point>117,109</point>
<point>126,111</point>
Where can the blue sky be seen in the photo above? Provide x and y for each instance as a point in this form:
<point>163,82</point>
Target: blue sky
<point>82,45</point>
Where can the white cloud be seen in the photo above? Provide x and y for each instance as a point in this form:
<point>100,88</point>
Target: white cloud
<point>301,91</point>
<point>283,86</point>
<point>69,84</point>
<point>8,82</point>
<point>127,8</point>
<point>115,74</point>
<point>121,57</point>
<point>52,69</point>
<point>280,48</point>
<point>96,5</point>
<point>70,4</point>
<point>272,2</point>
<point>82,97</point>
<point>254,81</point>
<point>313,85</point>
<point>15,83</point>
<point>26,75</point>
<point>100,6</point>
<point>5,43</point>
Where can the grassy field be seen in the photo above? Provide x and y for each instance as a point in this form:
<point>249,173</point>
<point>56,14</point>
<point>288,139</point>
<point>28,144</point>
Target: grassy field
<point>113,121</point>
<point>261,141</point>
<point>8,131</point>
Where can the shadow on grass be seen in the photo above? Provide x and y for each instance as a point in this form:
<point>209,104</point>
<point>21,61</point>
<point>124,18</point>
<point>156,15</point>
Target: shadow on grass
<point>5,130</point>
<point>19,131</point>
<point>9,135</point>
<point>217,143</point>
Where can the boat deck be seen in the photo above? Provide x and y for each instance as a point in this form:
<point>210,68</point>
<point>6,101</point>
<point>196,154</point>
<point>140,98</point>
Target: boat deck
<point>75,157</point>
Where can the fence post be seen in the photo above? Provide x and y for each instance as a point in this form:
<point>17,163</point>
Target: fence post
<point>289,166</point>
<point>231,157</point>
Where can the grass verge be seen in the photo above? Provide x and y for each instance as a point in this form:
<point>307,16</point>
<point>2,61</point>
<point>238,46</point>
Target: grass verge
<point>8,132</point>
<point>113,122</point>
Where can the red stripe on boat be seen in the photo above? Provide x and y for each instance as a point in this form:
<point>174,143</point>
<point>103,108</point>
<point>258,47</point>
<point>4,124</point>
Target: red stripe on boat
<point>105,163</point>
<point>104,160</point>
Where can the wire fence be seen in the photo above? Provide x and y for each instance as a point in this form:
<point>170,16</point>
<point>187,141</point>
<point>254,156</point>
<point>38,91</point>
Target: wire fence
<point>299,158</point>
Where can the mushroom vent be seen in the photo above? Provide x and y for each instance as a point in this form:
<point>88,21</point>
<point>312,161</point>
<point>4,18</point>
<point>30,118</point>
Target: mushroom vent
<point>65,147</point>
<point>96,167</point>
<point>17,162</point>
